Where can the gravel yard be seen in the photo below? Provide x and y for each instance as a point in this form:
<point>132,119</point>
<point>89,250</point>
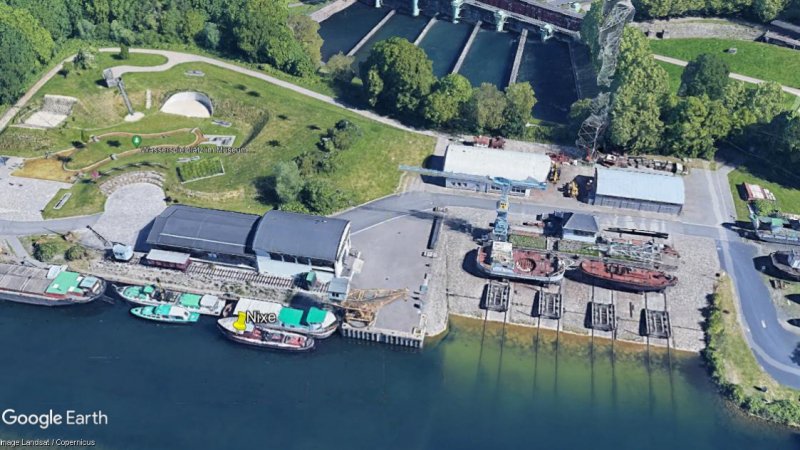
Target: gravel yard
<point>463,288</point>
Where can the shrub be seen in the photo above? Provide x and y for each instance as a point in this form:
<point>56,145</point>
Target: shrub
<point>45,251</point>
<point>75,253</point>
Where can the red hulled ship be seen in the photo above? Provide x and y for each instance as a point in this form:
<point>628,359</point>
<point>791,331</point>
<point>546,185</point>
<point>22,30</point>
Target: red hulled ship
<point>618,276</point>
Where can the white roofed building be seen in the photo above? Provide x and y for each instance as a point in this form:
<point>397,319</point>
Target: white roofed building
<point>487,162</point>
<point>637,189</point>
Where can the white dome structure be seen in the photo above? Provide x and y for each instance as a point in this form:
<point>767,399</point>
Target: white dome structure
<point>188,104</point>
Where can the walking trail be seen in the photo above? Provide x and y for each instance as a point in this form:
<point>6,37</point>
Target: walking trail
<point>735,76</point>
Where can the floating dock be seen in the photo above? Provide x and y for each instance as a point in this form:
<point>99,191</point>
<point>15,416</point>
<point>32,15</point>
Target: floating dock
<point>497,296</point>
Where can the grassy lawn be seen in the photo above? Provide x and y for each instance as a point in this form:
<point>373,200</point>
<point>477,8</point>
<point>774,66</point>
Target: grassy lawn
<point>270,123</point>
<point>116,144</point>
<point>755,59</point>
<point>202,168</point>
<point>735,368</point>
<point>522,241</point>
<point>86,199</point>
<point>787,192</point>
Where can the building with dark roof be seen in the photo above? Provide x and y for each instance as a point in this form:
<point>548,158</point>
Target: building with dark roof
<point>580,227</point>
<point>284,240</point>
<point>280,243</point>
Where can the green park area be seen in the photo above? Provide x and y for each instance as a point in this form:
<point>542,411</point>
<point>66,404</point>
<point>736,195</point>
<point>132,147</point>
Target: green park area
<point>784,185</point>
<point>270,124</point>
<point>735,369</point>
<point>754,59</point>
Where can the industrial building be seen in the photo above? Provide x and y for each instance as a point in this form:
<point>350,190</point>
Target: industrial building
<point>279,243</point>
<point>488,162</point>
<point>635,189</point>
<point>580,227</point>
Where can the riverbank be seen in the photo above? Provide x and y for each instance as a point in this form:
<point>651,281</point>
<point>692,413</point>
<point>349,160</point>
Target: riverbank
<point>735,370</point>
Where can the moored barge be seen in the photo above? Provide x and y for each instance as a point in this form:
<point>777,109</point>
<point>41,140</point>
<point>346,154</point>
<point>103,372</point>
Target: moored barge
<point>55,286</point>
<point>502,260</point>
<point>314,322</point>
<point>618,276</point>
<point>150,295</point>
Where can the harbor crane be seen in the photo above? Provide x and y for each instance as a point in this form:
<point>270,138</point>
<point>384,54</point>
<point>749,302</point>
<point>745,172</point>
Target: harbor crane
<point>501,227</point>
<point>120,251</point>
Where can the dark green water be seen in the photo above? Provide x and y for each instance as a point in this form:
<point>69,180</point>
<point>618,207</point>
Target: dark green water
<point>443,44</point>
<point>171,387</point>
<point>490,58</point>
<point>546,66</point>
<point>342,31</point>
<point>400,25</point>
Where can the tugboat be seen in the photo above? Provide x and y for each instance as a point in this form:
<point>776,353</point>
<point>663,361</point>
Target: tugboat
<point>313,322</point>
<point>500,259</point>
<point>152,296</point>
<point>55,286</point>
<point>618,276</point>
<point>787,263</point>
<point>166,313</point>
<point>238,330</point>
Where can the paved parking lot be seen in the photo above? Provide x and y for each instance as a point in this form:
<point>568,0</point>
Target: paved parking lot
<point>24,199</point>
<point>128,211</point>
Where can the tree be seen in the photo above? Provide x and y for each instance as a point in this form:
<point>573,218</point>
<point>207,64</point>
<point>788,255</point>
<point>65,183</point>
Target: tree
<point>52,15</point>
<point>340,68</point>
<point>306,32</point>
<point>578,113</point>
<point>520,99</point>
<point>84,59</point>
<point>16,64</point>
<point>397,75</point>
<point>210,36</point>
<point>693,126</point>
<point>27,25</point>
<point>448,98</point>
<point>321,198</point>
<point>707,74</point>
<point>484,111</point>
<point>124,52</point>
<point>45,251</point>
<point>767,10</point>
<point>193,24</point>
<point>286,181</point>
<point>75,253</point>
<point>748,105</point>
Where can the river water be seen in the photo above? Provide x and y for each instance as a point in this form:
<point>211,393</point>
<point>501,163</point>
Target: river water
<point>169,387</point>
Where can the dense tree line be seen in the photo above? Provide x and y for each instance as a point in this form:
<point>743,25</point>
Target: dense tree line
<point>646,117</point>
<point>763,10</point>
<point>260,31</point>
<point>398,80</point>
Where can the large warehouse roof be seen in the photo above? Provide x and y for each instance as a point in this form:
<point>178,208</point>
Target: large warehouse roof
<point>202,229</point>
<point>659,187</point>
<point>296,234</point>
<point>483,161</point>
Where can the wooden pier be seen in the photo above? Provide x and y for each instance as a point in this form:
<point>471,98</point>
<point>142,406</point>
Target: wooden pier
<point>371,33</point>
<point>523,38</point>
<point>467,46</point>
<point>497,296</point>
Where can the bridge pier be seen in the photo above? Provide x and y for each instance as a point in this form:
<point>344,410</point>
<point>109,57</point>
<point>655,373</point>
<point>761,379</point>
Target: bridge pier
<point>500,17</point>
<point>456,9</point>
<point>415,8</point>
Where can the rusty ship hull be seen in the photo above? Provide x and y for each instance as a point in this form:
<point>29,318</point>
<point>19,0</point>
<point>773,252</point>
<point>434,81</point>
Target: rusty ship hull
<point>780,261</point>
<point>626,278</point>
<point>528,265</point>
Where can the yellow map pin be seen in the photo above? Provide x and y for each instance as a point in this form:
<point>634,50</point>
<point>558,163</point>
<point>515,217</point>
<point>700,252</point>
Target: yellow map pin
<point>241,323</point>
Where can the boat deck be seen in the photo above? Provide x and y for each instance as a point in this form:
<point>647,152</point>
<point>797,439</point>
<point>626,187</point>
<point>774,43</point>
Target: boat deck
<point>526,262</point>
<point>24,279</point>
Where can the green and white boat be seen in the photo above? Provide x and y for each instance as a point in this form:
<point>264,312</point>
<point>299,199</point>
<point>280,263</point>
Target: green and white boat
<point>150,295</point>
<point>166,313</point>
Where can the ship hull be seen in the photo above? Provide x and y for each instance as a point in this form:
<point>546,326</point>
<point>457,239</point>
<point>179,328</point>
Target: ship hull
<point>150,301</point>
<point>786,271</point>
<point>323,333</point>
<point>556,277</point>
<point>263,344</point>
<point>30,299</point>
<point>619,285</point>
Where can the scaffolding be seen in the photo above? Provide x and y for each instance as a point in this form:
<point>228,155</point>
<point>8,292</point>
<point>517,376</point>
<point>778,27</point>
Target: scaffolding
<point>616,13</point>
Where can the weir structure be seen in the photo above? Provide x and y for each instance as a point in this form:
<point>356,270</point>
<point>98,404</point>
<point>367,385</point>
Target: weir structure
<point>616,13</point>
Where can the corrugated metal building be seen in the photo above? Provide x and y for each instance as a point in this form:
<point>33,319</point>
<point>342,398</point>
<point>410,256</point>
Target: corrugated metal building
<point>487,162</point>
<point>641,190</point>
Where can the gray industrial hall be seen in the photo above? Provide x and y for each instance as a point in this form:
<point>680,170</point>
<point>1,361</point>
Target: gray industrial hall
<point>637,189</point>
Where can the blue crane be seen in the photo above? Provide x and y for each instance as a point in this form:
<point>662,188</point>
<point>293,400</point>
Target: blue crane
<point>501,227</point>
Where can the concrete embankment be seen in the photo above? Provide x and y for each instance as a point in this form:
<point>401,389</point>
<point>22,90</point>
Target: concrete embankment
<point>324,13</point>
